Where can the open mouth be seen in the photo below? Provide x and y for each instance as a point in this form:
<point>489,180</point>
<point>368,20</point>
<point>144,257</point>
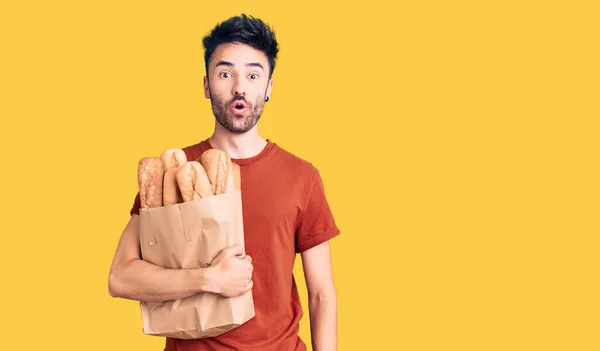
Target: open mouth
<point>239,106</point>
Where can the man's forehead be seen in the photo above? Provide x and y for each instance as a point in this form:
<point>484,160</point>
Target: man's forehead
<point>238,54</point>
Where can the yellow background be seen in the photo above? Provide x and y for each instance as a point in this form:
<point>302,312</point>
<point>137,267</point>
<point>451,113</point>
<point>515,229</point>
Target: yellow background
<point>458,142</point>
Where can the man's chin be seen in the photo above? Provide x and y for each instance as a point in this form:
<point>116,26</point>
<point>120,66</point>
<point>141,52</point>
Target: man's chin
<point>237,124</point>
<point>241,125</point>
<point>233,128</point>
<point>236,130</point>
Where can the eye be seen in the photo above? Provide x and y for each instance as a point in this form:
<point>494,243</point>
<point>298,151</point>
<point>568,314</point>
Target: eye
<point>253,76</point>
<point>225,74</point>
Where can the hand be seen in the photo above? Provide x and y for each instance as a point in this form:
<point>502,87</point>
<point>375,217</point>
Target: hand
<point>232,274</point>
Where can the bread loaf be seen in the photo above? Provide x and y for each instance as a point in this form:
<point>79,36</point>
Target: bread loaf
<point>173,158</point>
<point>217,165</point>
<point>193,181</point>
<point>234,178</point>
<point>171,179</point>
<point>171,192</point>
<point>151,171</point>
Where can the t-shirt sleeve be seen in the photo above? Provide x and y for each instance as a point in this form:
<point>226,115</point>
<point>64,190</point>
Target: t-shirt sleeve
<point>135,209</point>
<point>316,224</point>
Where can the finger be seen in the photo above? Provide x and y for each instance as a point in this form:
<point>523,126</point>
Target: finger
<point>250,285</point>
<point>234,250</point>
<point>248,259</point>
<point>242,253</point>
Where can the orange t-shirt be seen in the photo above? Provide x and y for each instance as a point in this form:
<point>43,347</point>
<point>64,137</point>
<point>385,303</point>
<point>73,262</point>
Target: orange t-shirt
<point>285,212</point>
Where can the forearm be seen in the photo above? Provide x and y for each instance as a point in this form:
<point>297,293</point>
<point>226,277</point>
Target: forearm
<point>143,281</point>
<point>323,321</point>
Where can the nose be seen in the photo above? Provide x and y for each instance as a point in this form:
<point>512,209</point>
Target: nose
<point>239,88</point>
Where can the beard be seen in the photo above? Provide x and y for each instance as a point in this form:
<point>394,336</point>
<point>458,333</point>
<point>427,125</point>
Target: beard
<point>235,123</point>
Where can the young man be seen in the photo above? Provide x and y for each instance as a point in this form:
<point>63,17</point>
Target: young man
<point>285,213</point>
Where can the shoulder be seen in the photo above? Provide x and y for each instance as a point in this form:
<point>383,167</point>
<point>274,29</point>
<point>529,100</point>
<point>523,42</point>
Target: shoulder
<point>296,164</point>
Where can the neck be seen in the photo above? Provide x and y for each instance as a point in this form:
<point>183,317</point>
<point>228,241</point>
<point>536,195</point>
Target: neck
<point>238,146</point>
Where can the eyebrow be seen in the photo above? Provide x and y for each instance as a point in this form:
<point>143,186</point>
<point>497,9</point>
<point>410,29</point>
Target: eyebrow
<point>229,64</point>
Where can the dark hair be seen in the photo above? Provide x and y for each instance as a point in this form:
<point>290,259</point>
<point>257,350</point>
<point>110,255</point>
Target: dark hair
<point>245,30</point>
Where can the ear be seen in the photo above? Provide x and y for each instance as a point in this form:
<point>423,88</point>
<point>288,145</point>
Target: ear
<point>206,88</point>
<point>269,88</point>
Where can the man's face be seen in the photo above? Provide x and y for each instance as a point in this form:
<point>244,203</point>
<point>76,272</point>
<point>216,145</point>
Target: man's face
<point>237,84</point>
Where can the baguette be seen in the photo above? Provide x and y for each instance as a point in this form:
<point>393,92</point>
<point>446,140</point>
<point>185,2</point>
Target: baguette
<point>171,193</point>
<point>193,182</point>
<point>234,178</point>
<point>217,165</point>
<point>173,158</point>
<point>150,181</point>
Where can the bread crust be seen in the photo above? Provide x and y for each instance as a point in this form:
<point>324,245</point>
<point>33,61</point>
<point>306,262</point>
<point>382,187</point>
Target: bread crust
<point>217,164</point>
<point>171,193</point>
<point>151,172</point>
<point>193,182</point>
<point>234,178</point>
<point>173,158</point>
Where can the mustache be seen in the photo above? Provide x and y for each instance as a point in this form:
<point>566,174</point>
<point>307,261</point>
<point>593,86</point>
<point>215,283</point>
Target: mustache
<point>241,98</point>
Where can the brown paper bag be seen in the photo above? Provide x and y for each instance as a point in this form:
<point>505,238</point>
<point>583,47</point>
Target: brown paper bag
<point>191,235</point>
